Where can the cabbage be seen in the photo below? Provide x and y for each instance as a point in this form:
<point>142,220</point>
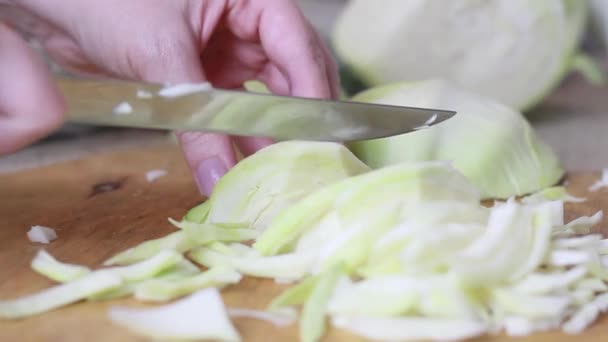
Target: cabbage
<point>493,146</point>
<point>410,328</point>
<point>200,316</point>
<point>272,179</point>
<point>167,289</point>
<point>176,241</point>
<point>365,204</point>
<point>60,295</point>
<point>48,266</point>
<point>513,51</point>
<point>312,323</point>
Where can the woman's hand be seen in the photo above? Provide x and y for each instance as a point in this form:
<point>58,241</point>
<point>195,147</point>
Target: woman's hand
<point>224,42</point>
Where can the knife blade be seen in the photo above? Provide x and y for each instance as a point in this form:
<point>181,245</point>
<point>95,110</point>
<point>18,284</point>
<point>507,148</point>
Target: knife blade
<point>201,107</point>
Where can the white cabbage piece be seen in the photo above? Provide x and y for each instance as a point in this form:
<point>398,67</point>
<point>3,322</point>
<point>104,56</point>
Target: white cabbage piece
<point>200,316</point>
<point>514,51</point>
<point>410,328</point>
<point>41,234</point>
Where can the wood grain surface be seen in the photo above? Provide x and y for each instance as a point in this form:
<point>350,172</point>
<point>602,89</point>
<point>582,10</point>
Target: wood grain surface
<point>102,205</point>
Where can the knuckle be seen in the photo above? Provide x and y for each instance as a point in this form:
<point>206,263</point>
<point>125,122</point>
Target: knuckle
<point>154,58</point>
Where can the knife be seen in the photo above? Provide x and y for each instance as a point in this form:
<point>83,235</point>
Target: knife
<point>201,107</point>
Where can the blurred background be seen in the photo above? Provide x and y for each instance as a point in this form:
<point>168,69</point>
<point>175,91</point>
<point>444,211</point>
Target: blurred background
<point>572,118</point>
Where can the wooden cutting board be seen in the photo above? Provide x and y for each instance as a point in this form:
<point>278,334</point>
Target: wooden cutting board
<point>93,224</point>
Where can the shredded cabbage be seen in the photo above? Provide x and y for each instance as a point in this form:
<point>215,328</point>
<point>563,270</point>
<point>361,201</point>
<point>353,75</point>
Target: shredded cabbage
<point>312,323</point>
<point>60,295</point>
<point>286,266</point>
<point>176,241</point>
<point>167,289</point>
<point>403,184</point>
<point>205,233</point>
<point>48,266</point>
<point>410,328</point>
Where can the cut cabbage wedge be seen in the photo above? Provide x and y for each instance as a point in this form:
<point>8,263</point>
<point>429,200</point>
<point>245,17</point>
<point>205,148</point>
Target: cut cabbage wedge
<point>277,176</point>
<point>494,146</point>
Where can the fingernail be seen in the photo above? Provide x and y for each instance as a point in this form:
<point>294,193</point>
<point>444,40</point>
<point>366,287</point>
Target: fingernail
<point>208,172</point>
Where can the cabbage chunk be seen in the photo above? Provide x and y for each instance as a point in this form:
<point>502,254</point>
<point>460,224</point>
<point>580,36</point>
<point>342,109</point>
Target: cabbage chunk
<point>494,146</point>
<point>514,51</point>
<point>277,176</point>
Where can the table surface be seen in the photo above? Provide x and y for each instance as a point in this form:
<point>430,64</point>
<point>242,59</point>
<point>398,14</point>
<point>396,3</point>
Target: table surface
<point>92,226</point>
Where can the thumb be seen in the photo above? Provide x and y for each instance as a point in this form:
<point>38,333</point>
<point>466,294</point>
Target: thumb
<point>30,104</point>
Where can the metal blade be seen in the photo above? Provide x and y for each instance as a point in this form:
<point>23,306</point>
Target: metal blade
<point>203,108</point>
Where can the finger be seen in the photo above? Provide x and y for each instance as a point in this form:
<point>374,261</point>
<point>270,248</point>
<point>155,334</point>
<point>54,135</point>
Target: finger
<point>250,145</point>
<point>175,58</point>
<point>287,40</point>
<point>274,79</point>
<point>331,68</point>
<point>209,156</point>
<point>30,105</point>
<point>229,61</point>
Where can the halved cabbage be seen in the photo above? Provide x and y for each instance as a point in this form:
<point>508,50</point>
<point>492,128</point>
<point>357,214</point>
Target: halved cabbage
<point>514,51</point>
<point>491,144</point>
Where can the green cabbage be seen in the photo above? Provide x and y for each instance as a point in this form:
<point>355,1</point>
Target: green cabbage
<point>277,176</point>
<point>492,145</point>
<point>514,51</point>
<point>45,264</point>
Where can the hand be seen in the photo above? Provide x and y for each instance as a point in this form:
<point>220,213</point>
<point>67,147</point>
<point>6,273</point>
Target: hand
<point>224,42</point>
